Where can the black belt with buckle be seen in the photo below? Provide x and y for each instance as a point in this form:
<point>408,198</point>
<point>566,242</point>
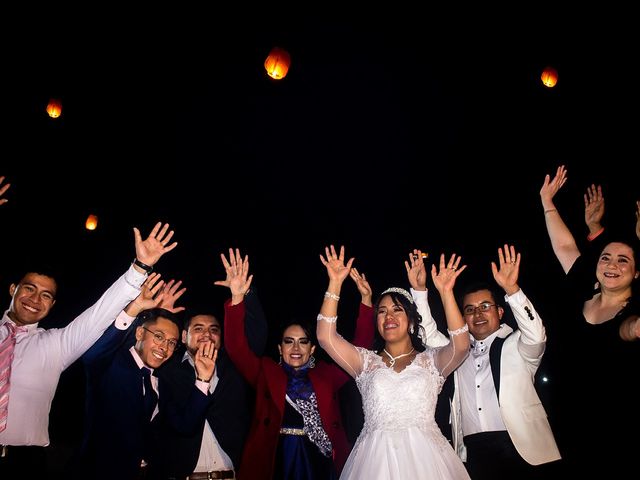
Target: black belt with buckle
<point>212,475</point>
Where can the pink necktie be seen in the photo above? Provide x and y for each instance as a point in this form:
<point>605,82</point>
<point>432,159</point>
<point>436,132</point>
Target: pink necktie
<point>6,356</point>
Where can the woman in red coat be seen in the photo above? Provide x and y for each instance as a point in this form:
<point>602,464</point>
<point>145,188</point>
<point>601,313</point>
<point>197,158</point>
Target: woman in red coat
<point>297,430</point>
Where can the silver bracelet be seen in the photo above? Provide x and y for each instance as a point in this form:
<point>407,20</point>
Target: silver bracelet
<point>327,319</point>
<point>332,296</point>
<point>458,331</point>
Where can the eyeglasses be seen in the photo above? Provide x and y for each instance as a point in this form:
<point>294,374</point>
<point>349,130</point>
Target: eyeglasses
<point>483,307</point>
<point>160,339</point>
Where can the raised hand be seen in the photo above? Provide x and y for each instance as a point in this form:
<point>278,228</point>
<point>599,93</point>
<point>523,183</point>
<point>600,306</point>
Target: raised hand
<point>171,293</point>
<point>233,257</point>
<point>416,271</point>
<point>336,269</point>
<point>150,250</point>
<point>205,360</point>
<point>551,187</point>
<point>150,296</point>
<point>238,278</point>
<point>363,286</point>
<point>593,208</point>
<point>507,275</point>
<point>3,190</point>
<point>445,277</point>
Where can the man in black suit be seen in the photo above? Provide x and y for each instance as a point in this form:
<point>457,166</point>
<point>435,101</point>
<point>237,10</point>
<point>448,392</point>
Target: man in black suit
<point>216,444</point>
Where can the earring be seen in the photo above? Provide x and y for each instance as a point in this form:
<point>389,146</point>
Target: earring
<point>312,362</point>
<point>411,329</point>
<point>280,361</point>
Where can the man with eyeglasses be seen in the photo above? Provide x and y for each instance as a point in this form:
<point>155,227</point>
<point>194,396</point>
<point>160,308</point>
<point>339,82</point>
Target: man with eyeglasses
<point>34,358</point>
<point>122,391</point>
<point>499,425</point>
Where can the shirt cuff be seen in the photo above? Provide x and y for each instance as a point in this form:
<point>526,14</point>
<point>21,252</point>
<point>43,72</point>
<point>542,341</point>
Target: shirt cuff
<point>124,320</point>
<point>518,298</point>
<point>419,294</point>
<point>134,277</point>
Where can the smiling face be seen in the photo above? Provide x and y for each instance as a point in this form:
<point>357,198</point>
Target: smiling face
<point>392,320</point>
<point>295,347</point>
<point>481,313</point>
<point>32,299</point>
<point>616,267</point>
<point>202,329</point>
<point>155,351</point>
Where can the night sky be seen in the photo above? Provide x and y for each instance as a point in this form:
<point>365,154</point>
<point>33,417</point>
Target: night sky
<point>385,135</point>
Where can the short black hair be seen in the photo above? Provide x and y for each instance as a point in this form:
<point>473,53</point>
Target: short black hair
<point>476,287</point>
<point>151,316</point>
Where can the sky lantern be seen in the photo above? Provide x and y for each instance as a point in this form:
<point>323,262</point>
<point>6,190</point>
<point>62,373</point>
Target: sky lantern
<point>277,63</point>
<point>549,77</point>
<point>54,108</point>
<point>92,222</point>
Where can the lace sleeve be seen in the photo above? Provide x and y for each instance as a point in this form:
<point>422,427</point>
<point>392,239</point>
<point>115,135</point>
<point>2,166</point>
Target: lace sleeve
<point>449,357</point>
<point>340,350</point>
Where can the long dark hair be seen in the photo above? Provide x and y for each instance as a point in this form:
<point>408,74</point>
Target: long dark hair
<point>415,320</point>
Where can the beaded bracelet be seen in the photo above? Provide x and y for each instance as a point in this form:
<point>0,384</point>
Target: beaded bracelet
<point>458,331</point>
<point>327,319</point>
<point>332,296</point>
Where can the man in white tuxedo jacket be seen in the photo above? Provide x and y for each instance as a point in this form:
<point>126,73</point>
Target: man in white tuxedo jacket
<point>499,426</point>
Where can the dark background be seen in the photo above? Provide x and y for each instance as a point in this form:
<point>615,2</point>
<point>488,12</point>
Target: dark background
<point>397,132</point>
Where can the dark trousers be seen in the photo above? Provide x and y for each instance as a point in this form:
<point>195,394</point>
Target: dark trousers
<point>492,456</point>
<point>25,463</point>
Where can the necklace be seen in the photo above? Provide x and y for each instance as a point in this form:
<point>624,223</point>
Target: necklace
<point>393,359</point>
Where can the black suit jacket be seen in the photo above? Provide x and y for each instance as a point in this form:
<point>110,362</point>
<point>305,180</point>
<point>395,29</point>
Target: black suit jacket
<point>228,412</point>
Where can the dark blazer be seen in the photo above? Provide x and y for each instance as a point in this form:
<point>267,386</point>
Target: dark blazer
<point>176,449</point>
<point>270,382</point>
<point>116,435</point>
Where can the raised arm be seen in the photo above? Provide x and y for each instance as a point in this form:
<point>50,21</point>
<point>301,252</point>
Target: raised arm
<point>638,219</point>
<point>235,339</point>
<point>449,357</point>
<point>256,328</point>
<point>417,276</point>
<point>365,325</point>
<point>102,351</point>
<point>3,190</point>
<point>594,210</point>
<point>342,352</point>
<point>85,329</point>
<point>532,339</point>
<point>562,241</point>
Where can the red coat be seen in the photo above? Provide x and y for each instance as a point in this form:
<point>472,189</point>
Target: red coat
<point>270,382</point>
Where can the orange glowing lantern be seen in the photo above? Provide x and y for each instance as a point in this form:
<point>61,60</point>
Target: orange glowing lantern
<point>92,222</point>
<point>277,63</point>
<point>549,77</point>
<point>54,108</point>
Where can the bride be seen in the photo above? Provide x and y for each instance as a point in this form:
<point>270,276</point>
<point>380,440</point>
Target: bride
<point>400,383</point>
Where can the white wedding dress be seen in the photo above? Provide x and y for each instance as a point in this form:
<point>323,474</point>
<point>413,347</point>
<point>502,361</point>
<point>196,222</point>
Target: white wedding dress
<point>400,438</point>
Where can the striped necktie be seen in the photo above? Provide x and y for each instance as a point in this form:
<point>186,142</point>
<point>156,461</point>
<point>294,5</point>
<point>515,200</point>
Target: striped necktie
<point>6,357</point>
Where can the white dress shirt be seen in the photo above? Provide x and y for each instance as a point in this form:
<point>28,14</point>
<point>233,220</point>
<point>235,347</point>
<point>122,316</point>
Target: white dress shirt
<point>40,356</point>
<point>479,399</point>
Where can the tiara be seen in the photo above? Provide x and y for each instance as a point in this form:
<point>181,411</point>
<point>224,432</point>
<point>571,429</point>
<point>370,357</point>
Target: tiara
<point>399,290</point>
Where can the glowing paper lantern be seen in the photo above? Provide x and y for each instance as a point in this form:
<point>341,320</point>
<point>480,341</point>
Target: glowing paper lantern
<point>277,63</point>
<point>549,77</point>
<point>92,222</point>
<point>54,108</point>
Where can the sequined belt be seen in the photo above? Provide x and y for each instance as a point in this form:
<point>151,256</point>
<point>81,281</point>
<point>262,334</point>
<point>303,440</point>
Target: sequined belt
<point>292,431</point>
